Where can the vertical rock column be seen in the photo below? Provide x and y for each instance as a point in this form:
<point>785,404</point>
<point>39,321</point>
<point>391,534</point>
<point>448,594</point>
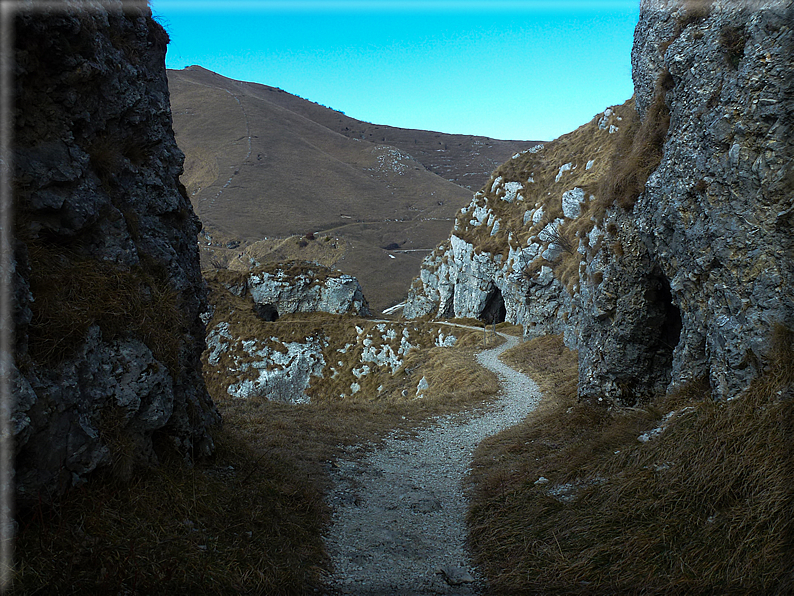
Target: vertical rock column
<point>717,213</point>
<point>107,284</point>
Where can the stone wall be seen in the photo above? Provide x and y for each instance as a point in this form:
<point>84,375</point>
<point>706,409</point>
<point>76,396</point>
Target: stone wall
<point>107,285</point>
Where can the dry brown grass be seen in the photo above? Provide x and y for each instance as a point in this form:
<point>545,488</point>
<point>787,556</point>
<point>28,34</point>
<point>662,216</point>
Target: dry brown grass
<point>639,152</point>
<point>72,292</point>
<point>694,12</point>
<point>248,522</point>
<point>705,507</point>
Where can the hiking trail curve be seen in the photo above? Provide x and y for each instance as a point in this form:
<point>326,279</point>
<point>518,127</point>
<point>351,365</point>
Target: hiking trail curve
<point>399,509</point>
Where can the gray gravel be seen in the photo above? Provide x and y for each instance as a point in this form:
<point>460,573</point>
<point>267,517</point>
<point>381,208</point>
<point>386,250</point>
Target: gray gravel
<point>399,509</point>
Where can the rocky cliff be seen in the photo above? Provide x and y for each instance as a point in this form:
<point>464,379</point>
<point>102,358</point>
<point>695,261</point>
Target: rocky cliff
<point>107,286</point>
<point>657,237</point>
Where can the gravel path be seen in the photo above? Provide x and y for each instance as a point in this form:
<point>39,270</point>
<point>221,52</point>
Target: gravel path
<point>399,510</point>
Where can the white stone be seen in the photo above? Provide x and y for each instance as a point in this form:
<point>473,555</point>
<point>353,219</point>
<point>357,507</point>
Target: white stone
<point>572,203</point>
<point>511,191</point>
<point>282,377</point>
<point>443,341</point>
<point>496,184</point>
<point>563,168</point>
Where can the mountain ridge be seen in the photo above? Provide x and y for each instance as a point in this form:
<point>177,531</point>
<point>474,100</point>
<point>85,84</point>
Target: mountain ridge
<point>263,164</point>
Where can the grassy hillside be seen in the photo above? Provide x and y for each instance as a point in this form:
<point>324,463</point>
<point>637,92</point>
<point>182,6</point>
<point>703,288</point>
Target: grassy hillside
<point>685,495</point>
<point>263,164</point>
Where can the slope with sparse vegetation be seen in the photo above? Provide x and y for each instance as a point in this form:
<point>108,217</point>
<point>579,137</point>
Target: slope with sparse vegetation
<point>262,164</point>
<point>685,495</point>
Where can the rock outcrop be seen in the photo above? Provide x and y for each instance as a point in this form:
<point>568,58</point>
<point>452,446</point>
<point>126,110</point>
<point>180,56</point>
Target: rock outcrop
<point>659,240</point>
<point>106,281</point>
<point>308,356</point>
<point>297,287</point>
<point>717,213</point>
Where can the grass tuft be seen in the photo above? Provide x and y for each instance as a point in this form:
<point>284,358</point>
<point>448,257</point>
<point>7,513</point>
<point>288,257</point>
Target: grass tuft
<point>695,11</point>
<point>639,152</point>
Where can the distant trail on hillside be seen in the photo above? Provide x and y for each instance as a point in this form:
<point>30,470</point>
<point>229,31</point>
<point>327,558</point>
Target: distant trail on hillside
<point>247,155</point>
<point>399,509</point>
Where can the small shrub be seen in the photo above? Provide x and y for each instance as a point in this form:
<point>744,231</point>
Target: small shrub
<point>558,236</point>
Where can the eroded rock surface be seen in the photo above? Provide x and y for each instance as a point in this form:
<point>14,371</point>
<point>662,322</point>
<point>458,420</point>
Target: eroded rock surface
<point>300,287</point>
<point>107,286</point>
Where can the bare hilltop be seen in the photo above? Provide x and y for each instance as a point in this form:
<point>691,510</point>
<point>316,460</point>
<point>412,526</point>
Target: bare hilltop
<point>275,177</point>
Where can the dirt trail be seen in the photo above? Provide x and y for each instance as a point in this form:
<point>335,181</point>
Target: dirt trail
<point>399,509</point>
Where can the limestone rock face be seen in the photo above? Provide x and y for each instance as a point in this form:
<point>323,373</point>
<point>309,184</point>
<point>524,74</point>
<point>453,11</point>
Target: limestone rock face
<point>686,281</point>
<point>289,294</point>
<point>717,214</point>
<point>626,323</point>
<point>458,281</point>
<point>107,287</point>
<point>299,287</point>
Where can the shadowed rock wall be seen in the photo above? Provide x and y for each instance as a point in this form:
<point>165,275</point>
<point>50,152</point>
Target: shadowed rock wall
<point>107,285</point>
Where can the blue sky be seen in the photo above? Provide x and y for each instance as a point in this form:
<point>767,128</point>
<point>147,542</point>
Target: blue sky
<point>507,69</point>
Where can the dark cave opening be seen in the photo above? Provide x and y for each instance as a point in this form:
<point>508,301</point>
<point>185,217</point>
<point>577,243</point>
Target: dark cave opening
<point>494,310</point>
<point>266,312</point>
<point>670,331</point>
<point>666,325</point>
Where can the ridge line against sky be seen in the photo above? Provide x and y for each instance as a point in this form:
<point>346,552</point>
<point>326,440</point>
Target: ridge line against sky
<point>505,69</point>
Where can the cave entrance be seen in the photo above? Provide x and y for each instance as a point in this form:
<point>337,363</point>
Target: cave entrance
<point>670,332</point>
<point>494,310</point>
<point>667,326</point>
<point>266,312</point>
